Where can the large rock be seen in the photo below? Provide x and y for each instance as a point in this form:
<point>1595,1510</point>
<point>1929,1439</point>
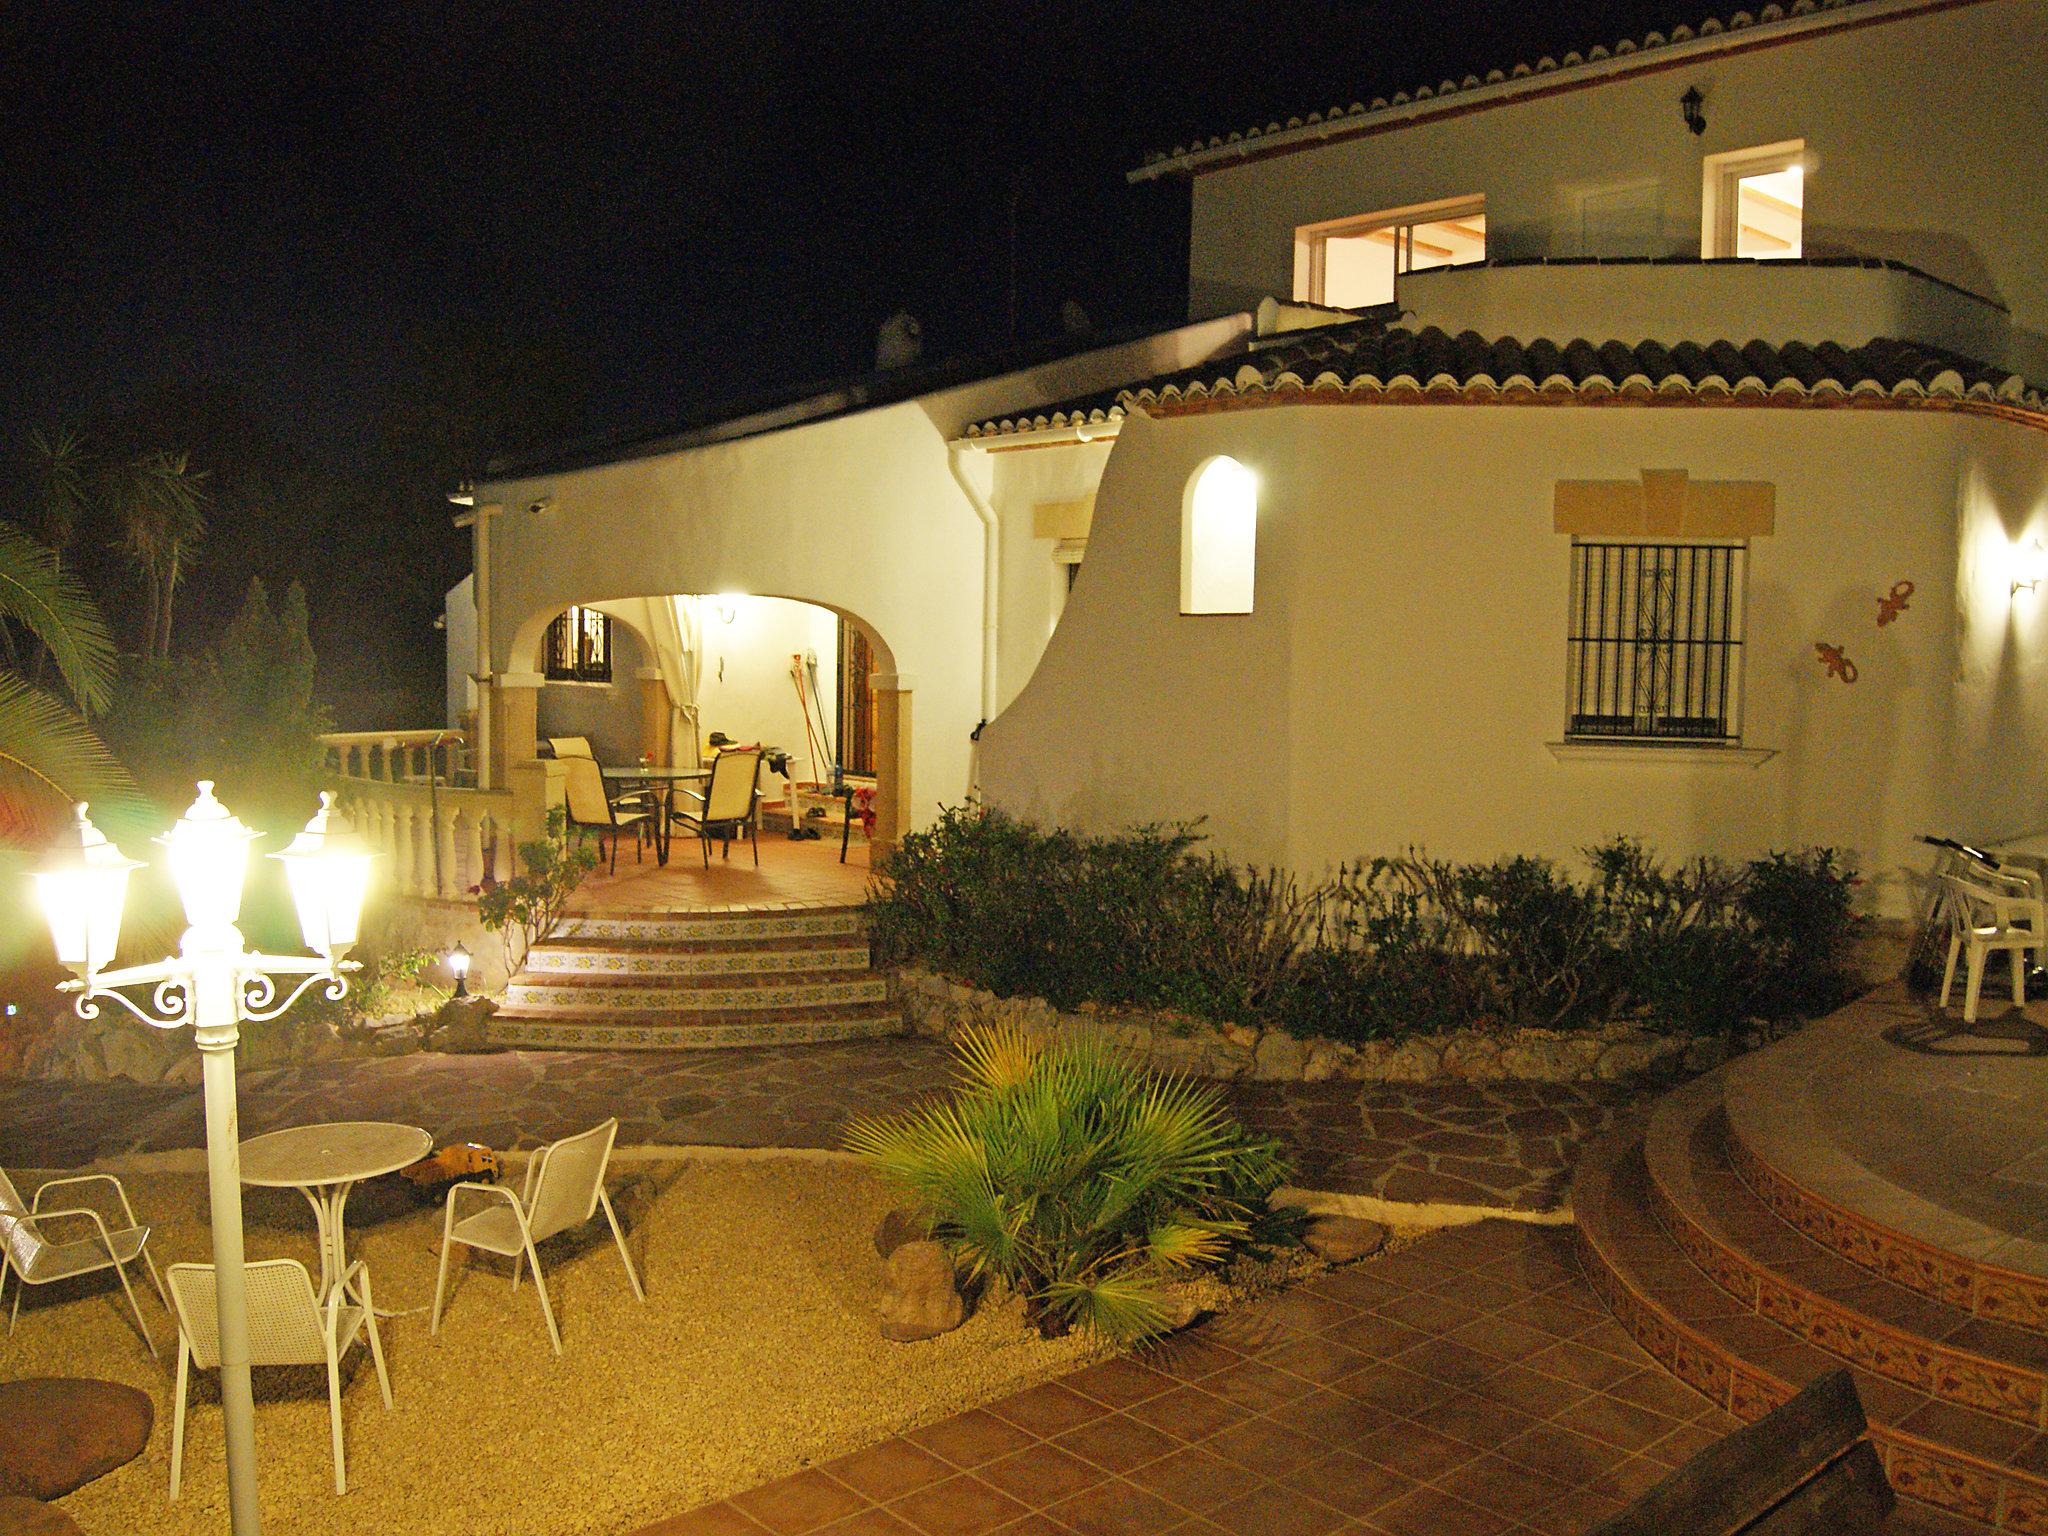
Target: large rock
<point>61,1432</point>
<point>900,1226</point>
<point>924,1297</point>
<point>1341,1239</point>
<point>32,1517</point>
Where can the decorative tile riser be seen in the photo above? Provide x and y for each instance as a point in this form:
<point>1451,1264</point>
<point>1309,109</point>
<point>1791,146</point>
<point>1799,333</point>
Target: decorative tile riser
<point>581,1035</point>
<point>543,962</point>
<point>709,927</point>
<point>1991,1292</point>
<point>521,997</point>
<point>2002,1497</point>
<point>1957,1376</point>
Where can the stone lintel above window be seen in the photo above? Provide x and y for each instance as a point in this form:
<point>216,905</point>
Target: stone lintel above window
<point>1666,504</point>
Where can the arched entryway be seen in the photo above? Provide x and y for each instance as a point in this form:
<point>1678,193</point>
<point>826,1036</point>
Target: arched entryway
<point>659,677</point>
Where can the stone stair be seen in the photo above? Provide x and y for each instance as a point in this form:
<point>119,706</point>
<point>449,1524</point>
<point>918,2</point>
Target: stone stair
<point>1747,1307</point>
<point>679,980</point>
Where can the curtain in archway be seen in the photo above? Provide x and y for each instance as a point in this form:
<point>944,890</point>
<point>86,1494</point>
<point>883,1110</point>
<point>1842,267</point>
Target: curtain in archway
<point>677,631</point>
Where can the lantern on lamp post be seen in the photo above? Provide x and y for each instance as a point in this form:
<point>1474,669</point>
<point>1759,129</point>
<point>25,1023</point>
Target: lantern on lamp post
<point>215,985</point>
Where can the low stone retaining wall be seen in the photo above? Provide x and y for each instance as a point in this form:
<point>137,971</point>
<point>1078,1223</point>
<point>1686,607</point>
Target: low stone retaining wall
<point>936,1007</point>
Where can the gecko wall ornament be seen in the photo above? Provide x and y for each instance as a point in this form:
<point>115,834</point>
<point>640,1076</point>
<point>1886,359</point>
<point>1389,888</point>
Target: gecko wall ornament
<point>1894,603</point>
<point>1836,663</point>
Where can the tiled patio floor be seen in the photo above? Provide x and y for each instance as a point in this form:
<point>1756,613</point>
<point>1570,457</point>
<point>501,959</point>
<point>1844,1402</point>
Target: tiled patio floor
<point>1503,1146</point>
<point>808,873</point>
<point>1468,1386</point>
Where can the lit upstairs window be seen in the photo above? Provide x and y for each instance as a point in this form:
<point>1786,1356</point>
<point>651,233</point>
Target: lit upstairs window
<point>1754,203</point>
<point>1352,263</point>
<point>1219,528</point>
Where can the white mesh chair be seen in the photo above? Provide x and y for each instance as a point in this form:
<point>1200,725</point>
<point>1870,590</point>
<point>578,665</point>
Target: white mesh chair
<point>33,1257</point>
<point>1988,917</point>
<point>564,1188</point>
<point>730,804</point>
<point>288,1325</point>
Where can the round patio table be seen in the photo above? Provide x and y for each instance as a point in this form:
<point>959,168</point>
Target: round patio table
<point>325,1162</point>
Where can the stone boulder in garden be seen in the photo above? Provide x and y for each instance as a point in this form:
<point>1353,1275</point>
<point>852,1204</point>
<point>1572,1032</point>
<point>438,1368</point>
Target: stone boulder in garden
<point>32,1517</point>
<point>924,1297</point>
<point>61,1432</point>
<point>1341,1239</point>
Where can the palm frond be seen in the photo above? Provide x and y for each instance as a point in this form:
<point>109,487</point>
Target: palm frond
<point>37,592</point>
<point>50,760</point>
<point>996,1056</point>
<point>1128,1306</point>
<point>1185,1245</point>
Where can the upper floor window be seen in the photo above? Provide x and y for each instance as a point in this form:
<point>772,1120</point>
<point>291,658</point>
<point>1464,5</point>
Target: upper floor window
<point>579,647</point>
<point>1351,263</point>
<point>1219,532</point>
<point>1654,641</point>
<point>1755,202</point>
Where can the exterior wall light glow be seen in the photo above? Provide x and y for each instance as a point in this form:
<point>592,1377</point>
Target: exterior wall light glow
<point>458,967</point>
<point>1219,538</point>
<point>214,984</point>
<point>2029,566</point>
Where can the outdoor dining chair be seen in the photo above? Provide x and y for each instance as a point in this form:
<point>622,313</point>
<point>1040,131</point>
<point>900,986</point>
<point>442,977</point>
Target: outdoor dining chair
<point>1984,918</point>
<point>591,808</point>
<point>564,1188</point>
<point>288,1325</point>
<point>570,746</point>
<point>730,804</point>
<point>33,1257</point>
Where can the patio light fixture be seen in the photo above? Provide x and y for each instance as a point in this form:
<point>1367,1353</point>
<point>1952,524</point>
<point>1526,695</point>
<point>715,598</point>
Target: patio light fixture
<point>1692,105</point>
<point>215,985</point>
<point>458,966</point>
<point>2029,565</point>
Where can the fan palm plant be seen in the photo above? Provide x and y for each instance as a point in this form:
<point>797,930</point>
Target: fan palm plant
<point>49,754</point>
<point>1077,1177</point>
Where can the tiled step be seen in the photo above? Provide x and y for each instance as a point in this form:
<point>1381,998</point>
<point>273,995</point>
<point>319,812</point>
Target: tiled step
<point>672,1032</point>
<point>1788,1158</point>
<point>604,998</point>
<point>1779,1274</point>
<point>593,962</point>
<point>763,926</point>
<point>1970,1464</point>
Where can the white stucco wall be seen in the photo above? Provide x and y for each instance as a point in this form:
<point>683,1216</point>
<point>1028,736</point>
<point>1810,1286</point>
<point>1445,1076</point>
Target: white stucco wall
<point>1911,130</point>
<point>1403,670</point>
<point>458,620</point>
<point>746,691</point>
<point>606,713</point>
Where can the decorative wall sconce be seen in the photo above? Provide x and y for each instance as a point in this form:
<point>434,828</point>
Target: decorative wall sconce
<point>727,605</point>
<point>1694,105</point>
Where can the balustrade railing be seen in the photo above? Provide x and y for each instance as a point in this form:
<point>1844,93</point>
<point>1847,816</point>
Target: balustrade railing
<point>410,795</point>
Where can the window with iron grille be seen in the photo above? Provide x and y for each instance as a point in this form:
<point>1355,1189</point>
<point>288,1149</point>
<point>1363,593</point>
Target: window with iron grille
<point>579,647</point>
<point>1655,644</point>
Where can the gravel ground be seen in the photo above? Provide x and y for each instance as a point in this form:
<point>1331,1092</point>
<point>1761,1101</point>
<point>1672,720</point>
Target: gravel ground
<point>756,1353</point>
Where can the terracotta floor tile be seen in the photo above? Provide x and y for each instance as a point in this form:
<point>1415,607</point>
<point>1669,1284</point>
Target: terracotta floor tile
<point>1432,1512</point>
<point>1191,1477</point>
<point>873,1521</point>
<point>1503,1486</point>
<point>1350,1484</point>
<point>1120,1382</point>
<point>1047,1410</point>
<point>1265,1448</point>
<point>1187,1413</point>
<point>1042,1475</point>
<point>1331,1417</point>
<point>971,1438</point>
<point>1117,1508</point>
<point>720,1519</point>
<point>1615,1422</point>
<point>1271,1510</point>
<point>801,1502</point>
<point>888,1470</point>
<point>1415,1452</point>
<point>960,1506</point>
<point>1118,1442</point>
<point>1394,1389</point>
<point>1255,1386</point>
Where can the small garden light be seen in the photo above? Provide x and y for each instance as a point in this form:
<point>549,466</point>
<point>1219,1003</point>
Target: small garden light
<point>458,965</point>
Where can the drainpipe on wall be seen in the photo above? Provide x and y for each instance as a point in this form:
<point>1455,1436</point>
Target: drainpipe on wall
<point>991,569</point>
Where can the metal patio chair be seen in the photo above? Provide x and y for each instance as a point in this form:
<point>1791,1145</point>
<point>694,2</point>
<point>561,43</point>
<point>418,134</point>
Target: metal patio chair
<point>593,809</point>
<point>288,1325</point>
<point>564,1188</point>
<point>730,804</point>
<point>33,1257</point>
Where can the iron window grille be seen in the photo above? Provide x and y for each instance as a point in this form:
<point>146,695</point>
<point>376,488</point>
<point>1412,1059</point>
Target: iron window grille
<point>579,647</point>
<point>1655,644</point>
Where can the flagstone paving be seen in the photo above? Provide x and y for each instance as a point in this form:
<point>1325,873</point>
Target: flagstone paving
<point>1503,1146</point>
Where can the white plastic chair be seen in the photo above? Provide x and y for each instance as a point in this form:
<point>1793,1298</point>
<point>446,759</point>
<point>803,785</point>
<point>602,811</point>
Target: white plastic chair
<point>288,1325</point>
<point>29,1253</point>
<point>1988,917</point>
<point>564,1188</point>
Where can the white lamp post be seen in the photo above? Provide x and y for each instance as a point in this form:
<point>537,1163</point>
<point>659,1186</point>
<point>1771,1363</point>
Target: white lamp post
<point>215,985</point>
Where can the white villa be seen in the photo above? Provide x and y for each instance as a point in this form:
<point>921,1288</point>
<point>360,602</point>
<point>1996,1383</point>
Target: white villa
<point>1635,441</point>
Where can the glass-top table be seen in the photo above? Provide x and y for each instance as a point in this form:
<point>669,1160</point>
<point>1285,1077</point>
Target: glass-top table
<point>666,776</point>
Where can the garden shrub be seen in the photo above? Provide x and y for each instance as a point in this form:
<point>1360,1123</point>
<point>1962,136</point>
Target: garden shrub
<point>525,909</point>
<point>1081,1180</point>
<point>1147,919</point>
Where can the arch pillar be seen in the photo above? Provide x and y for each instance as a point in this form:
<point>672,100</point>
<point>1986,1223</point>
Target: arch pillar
<point>892,692</point>
<point>515,708</point>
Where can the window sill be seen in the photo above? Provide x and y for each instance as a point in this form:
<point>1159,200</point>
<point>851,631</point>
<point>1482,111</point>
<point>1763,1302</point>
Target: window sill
<point>1658,752</point>
<point>579,682</point>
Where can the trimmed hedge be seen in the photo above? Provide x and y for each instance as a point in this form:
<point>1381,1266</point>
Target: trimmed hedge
<point>1146,919</point>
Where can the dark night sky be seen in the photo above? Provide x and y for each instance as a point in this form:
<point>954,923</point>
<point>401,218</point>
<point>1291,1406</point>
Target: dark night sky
<point>698,199</point>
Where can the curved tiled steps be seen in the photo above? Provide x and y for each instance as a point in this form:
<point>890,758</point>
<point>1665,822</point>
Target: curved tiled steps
<point>665,981</point>
<point>1975,1465</point>
<point>1785,1154</point>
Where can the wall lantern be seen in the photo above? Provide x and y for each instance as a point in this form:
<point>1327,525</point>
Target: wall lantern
<point>458,967</point>
<point>2029,566</point>
<point>1694,106</point>
<point>728,606</point>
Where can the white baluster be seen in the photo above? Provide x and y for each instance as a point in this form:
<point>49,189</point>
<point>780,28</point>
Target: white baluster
<point>446,883</point>
<point>408,852</point>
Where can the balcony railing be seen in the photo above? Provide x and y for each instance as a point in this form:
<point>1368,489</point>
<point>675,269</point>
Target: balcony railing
<point>412,795</point>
